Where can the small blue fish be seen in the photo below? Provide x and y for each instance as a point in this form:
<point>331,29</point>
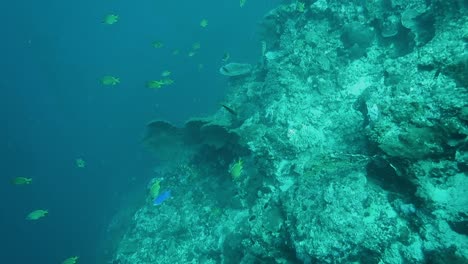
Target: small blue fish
<point>162,197</point>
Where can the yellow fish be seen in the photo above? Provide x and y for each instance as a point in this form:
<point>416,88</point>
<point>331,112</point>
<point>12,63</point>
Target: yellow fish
<point>236,169</point>
<point>109,80</point>
<point>204,23</point>
<point>165,73</point>
<point>37,214</point>
<point>157,44</point>
<point>300,7</point>
<point>167,81</point>
<point>157,84</point>
<point>154,84</point>
<point>154,190</point>
<point>80,163</point>
<point>21,180</point>
<point>71,260</point>
<point>111,19</point>
<point>196,46</point>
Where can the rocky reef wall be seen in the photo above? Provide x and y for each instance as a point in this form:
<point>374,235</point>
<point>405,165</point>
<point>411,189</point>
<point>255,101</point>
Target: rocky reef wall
<point>353,132</point>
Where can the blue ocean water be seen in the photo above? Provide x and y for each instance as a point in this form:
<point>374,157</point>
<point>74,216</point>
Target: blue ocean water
<point>55,110</point>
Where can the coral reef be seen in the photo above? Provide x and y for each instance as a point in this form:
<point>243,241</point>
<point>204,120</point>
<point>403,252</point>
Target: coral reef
<point>353,132</point>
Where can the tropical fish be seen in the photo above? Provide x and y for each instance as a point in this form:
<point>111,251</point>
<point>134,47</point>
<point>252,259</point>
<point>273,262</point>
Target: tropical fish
<point>71,260</point>
<point>236,169</point>
<point>300,6</point>
<point>242,3</point>
<point>111,19</point>
<point>21,180</point>
<point>162,197</point>
<point>230,110</point>
<point>165,73</point>
<point>235,69</point>
<point>154,189</point>
<point>196,46</point>
<point>226,56</point>
<point>157,44</point>
<point>204,23</point>
<point>155,84</point>
<point>176,52</point>
<point>191,53</point>
<point>167,81</point>
<point>110,80</point>
<point>80,163</point>
<point>37,214</point>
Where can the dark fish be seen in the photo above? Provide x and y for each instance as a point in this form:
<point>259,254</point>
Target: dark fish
<point>226,56</point>
<point>230,110</point>
<point>437,73</point>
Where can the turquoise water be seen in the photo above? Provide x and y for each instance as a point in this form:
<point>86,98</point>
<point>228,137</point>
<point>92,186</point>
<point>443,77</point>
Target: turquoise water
<point>55,110</point>
<point>335,132</point>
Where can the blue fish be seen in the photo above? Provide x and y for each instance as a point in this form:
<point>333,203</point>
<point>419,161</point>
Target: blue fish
<point>162,197</point>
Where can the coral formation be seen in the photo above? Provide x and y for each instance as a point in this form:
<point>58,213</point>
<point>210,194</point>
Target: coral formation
<point>353,133</point>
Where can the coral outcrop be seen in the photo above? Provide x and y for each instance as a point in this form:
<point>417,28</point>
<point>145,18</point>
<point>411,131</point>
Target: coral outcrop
<point>353,131</point>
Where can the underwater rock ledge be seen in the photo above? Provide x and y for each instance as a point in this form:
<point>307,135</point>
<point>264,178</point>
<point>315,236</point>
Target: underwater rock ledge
<point>353,135</point>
